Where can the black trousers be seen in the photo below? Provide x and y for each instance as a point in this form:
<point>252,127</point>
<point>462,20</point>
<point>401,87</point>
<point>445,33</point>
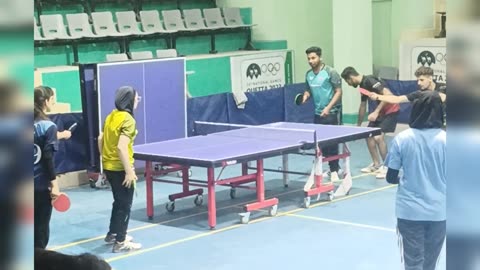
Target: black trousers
<point>332,150</point>
<point>42,216</point>
<point>122,204</point>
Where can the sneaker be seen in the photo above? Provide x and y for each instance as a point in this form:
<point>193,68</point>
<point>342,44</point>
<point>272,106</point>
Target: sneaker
<point>327,173</point>
<point>101,183</point>
<point>110,238</point>
<point>125,246</point>
<point>381,173</point>
<point>370,169</point>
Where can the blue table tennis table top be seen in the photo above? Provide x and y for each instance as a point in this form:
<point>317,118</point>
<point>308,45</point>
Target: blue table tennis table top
<point>248,143</point>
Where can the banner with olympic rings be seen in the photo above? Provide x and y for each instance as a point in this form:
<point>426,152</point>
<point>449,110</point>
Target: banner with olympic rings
<point>261,71</point>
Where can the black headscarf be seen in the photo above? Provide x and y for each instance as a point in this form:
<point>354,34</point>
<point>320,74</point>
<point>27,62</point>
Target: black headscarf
<point>125,98</point>
<point>427,111</point>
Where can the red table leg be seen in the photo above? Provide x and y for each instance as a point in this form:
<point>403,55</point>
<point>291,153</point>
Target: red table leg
<point>261,202</point>
<point>149,188</point>
<point>212,210</point>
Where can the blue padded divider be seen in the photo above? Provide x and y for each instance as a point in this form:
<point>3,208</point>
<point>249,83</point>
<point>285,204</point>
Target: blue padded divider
<point>294,113</point>
<point>72,153</point>
<point>261,108</point>
<point>208,108</point>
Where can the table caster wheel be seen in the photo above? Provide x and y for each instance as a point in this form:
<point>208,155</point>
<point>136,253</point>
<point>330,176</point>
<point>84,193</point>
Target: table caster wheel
<point>273,211</point>
<point>198,200</point>
<point>245,217</point>
<point>170,206</point>
<point>233,193</point>
<point>306,202</point>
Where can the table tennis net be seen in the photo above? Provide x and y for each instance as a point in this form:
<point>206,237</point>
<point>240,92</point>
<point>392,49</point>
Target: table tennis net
<point>254,132</point>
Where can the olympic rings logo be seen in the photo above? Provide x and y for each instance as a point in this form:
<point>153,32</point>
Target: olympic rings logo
<point>272,68</point>
<point>441,58</point>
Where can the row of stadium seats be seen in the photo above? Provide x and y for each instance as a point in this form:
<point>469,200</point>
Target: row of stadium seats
<point>78,25</point>
<point>52,31</point>
<point>89,6</point>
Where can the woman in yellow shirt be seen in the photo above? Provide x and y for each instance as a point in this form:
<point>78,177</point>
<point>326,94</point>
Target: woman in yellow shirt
<point>116,147</point>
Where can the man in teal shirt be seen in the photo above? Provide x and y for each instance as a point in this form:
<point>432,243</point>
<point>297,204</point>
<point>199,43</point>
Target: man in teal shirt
<point>325,86</point>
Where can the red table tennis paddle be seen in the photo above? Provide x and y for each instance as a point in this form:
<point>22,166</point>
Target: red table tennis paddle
<point>364,91</point>
<point>61,203</point>
<point>299,99</point>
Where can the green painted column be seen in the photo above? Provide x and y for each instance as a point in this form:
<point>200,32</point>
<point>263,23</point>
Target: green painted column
<point>352,46</point>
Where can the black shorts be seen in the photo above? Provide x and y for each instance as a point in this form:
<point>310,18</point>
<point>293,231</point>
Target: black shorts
<point>388,123</point>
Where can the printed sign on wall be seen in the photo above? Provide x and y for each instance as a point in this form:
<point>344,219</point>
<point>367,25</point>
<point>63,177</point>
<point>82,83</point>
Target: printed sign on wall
<point>424,52</point>
<point>261,71</point>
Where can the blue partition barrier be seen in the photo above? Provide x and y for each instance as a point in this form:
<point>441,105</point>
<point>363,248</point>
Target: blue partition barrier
<point>261,108</point>
<point>72,154</point>
<point>208,109</point>
<point>297,113</point>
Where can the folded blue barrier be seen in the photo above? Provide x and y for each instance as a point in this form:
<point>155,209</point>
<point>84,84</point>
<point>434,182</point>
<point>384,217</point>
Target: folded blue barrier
<point>72,153</point>
<point>261,108</point>
<point>211,108</point>
<point>297,113</point>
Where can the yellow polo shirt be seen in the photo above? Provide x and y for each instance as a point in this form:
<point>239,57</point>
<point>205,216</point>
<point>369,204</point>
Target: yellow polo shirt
<point>117,123</point>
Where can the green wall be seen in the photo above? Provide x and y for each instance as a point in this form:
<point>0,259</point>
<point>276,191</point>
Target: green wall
<point>300,23</point>
<point>408,15</point>
<point>381,33</point>
<point>67,84</point>
<point>212,76</point>
<point>392,19</point>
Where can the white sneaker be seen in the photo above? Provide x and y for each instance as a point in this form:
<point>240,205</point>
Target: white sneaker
<point>125,246</point>
<point>110,238</point>
<point>101,183</point>
<point>370,169</point>
<point>381,172</point>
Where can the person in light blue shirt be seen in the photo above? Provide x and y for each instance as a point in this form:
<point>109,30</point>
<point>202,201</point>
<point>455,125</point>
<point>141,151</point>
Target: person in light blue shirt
<point>421,196</point>
<point>324,85</point>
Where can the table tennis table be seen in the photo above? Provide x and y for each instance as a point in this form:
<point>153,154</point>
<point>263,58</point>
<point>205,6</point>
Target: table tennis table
<point>240,144</point>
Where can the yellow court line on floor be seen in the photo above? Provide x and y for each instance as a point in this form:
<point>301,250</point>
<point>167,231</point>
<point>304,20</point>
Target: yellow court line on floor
<point>171,243</point>
<point>186,239</point>
<point>56,248</point>
<point>343,223</point>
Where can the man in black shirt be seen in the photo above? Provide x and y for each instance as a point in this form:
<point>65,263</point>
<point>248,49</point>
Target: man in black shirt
<point>425,82</point>
<point>384,116</point>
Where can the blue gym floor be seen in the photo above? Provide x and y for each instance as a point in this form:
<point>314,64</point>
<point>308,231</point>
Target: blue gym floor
<point>352,232</point>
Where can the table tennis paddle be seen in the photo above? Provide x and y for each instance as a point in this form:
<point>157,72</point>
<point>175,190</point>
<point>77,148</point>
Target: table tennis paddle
<point>61,203</point>
<point>72,127</point>
<point>364,91</point>
<point>299,99</point>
